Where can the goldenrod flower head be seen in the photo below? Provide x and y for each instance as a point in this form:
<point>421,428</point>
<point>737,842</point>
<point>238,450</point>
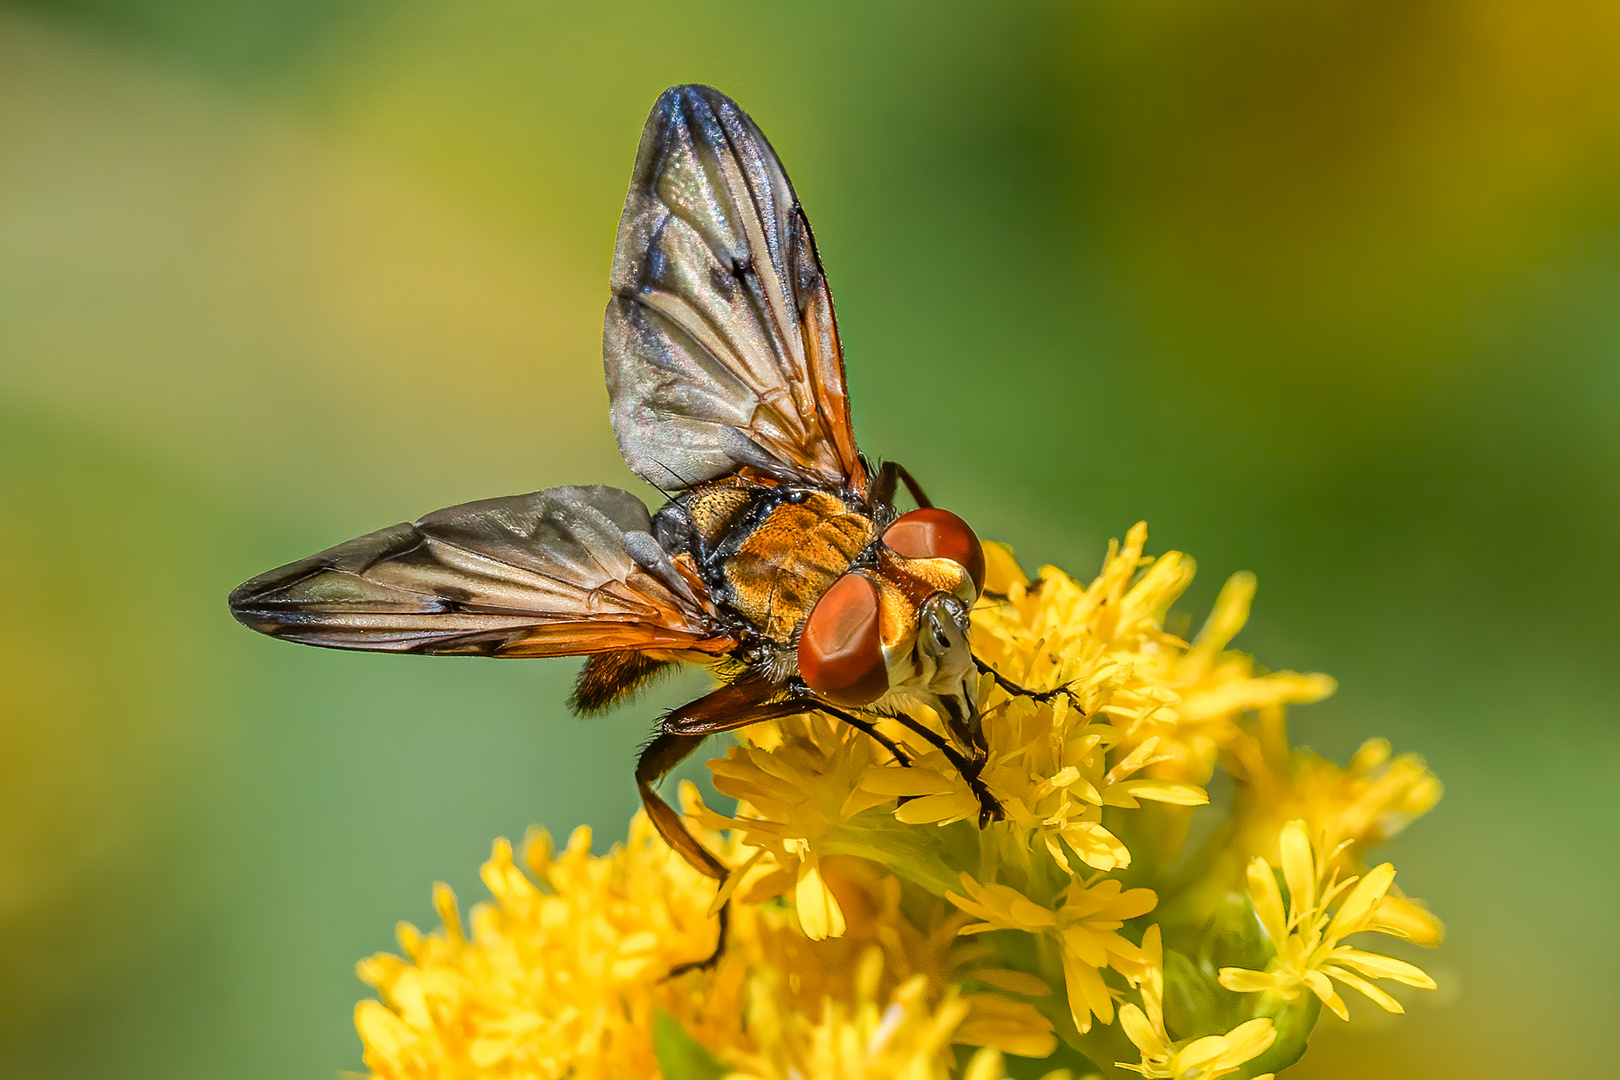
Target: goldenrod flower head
<point>559,978</point>
<point>1144,717</point>
<point>1307,937</point>
<point>563,975</point>
<point>874,925</point>
<point>1107,641</point>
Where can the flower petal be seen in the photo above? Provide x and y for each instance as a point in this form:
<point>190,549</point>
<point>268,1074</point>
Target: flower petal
<point>1402,918</point>
<point>937,809</point>
<point>1267,900</point>
<point>1097,847</point>
<point>1085,945</point>
<point>1088,994</point>
<point>1353,913</point>
<point>1299,868</point>
<point>1383,967</point>
<point>1165,791</point>
<point>1249,1040</point>
<point>1133,902</point>
<point>1013,1027</point>
<point>1013,982</point>
<point>819,914</point>
<point>1201,1056</point>
<point>1245,981</point>
<point>1137,1029</point>
<point>1323,989</point>
<point>1383,1000</point>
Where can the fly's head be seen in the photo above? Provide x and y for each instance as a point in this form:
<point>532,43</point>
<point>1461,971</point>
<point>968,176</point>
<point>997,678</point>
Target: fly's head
<point>898,629</point>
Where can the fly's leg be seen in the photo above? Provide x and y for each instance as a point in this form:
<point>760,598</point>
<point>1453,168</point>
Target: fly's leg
<point>891,474</point>
<point>737,706</point>
<point>730,707</point>
<point>688,721</point>
<point>681,731</point>
<point>1015,689</point>
<point>969,767</point>
<point>665,752</point>
<point>900,756</point>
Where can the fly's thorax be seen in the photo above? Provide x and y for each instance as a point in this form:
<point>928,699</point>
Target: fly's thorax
<point>781,553</point>
<point>699,521</point>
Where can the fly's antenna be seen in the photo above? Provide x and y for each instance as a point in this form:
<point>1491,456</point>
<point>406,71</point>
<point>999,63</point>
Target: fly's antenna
<point>662,491</point>
<point>679,479</point>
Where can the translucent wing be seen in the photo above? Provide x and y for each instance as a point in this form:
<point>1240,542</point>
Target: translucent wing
<point>720,316</point>
<point>543,574</point>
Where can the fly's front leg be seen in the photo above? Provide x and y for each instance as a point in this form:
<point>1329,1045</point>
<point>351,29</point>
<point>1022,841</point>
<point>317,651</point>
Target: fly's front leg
<point>661,755</point>
<point>701,724</point>
<point>861,723</point>
<point>726,709</point>
<point>739,705</point>
<point>968,767</point>
<point>1015,689</point>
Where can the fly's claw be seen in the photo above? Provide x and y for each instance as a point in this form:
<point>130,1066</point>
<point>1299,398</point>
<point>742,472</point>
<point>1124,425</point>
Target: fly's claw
<point>989,809</point>
<point>989,806</point>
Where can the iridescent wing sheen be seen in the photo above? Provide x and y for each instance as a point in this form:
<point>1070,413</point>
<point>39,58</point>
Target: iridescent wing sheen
<point>721,317</point>
<point>543,574</point>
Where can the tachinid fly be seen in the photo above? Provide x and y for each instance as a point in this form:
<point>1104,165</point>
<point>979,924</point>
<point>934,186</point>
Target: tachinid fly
<point>780,560</point>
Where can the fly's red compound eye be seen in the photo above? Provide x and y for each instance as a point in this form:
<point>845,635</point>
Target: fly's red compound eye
<point>932,533</point>
<point>840,653</point>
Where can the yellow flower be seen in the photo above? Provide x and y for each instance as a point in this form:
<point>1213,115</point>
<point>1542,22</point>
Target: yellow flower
<point>906,1037</point>
<point>1001,907</point>
<point>1307,937</point>
<point>1050,768</point>
<point>916,938</point>
<point>553,981</point>
<point>1198,1059</point>
<point>1351,809</point>
<point>562,976</point>
<point>1144,717</point>
<point>1107,642</point>
<point>1085,926</point>
<point>874,925</point>
<point>792,789</point>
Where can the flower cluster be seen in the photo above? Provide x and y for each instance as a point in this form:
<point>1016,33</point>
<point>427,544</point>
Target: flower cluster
<point>1112,919</point>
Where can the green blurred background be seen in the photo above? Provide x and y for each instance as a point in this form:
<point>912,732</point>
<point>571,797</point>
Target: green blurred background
<point>1323,290</point>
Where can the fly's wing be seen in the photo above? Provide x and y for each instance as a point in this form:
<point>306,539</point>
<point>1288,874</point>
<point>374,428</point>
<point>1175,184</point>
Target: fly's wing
<point>543,574</point>
<point>720,316</point>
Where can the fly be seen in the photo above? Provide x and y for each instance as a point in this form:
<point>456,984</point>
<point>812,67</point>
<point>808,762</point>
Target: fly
<point>779,560</point>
